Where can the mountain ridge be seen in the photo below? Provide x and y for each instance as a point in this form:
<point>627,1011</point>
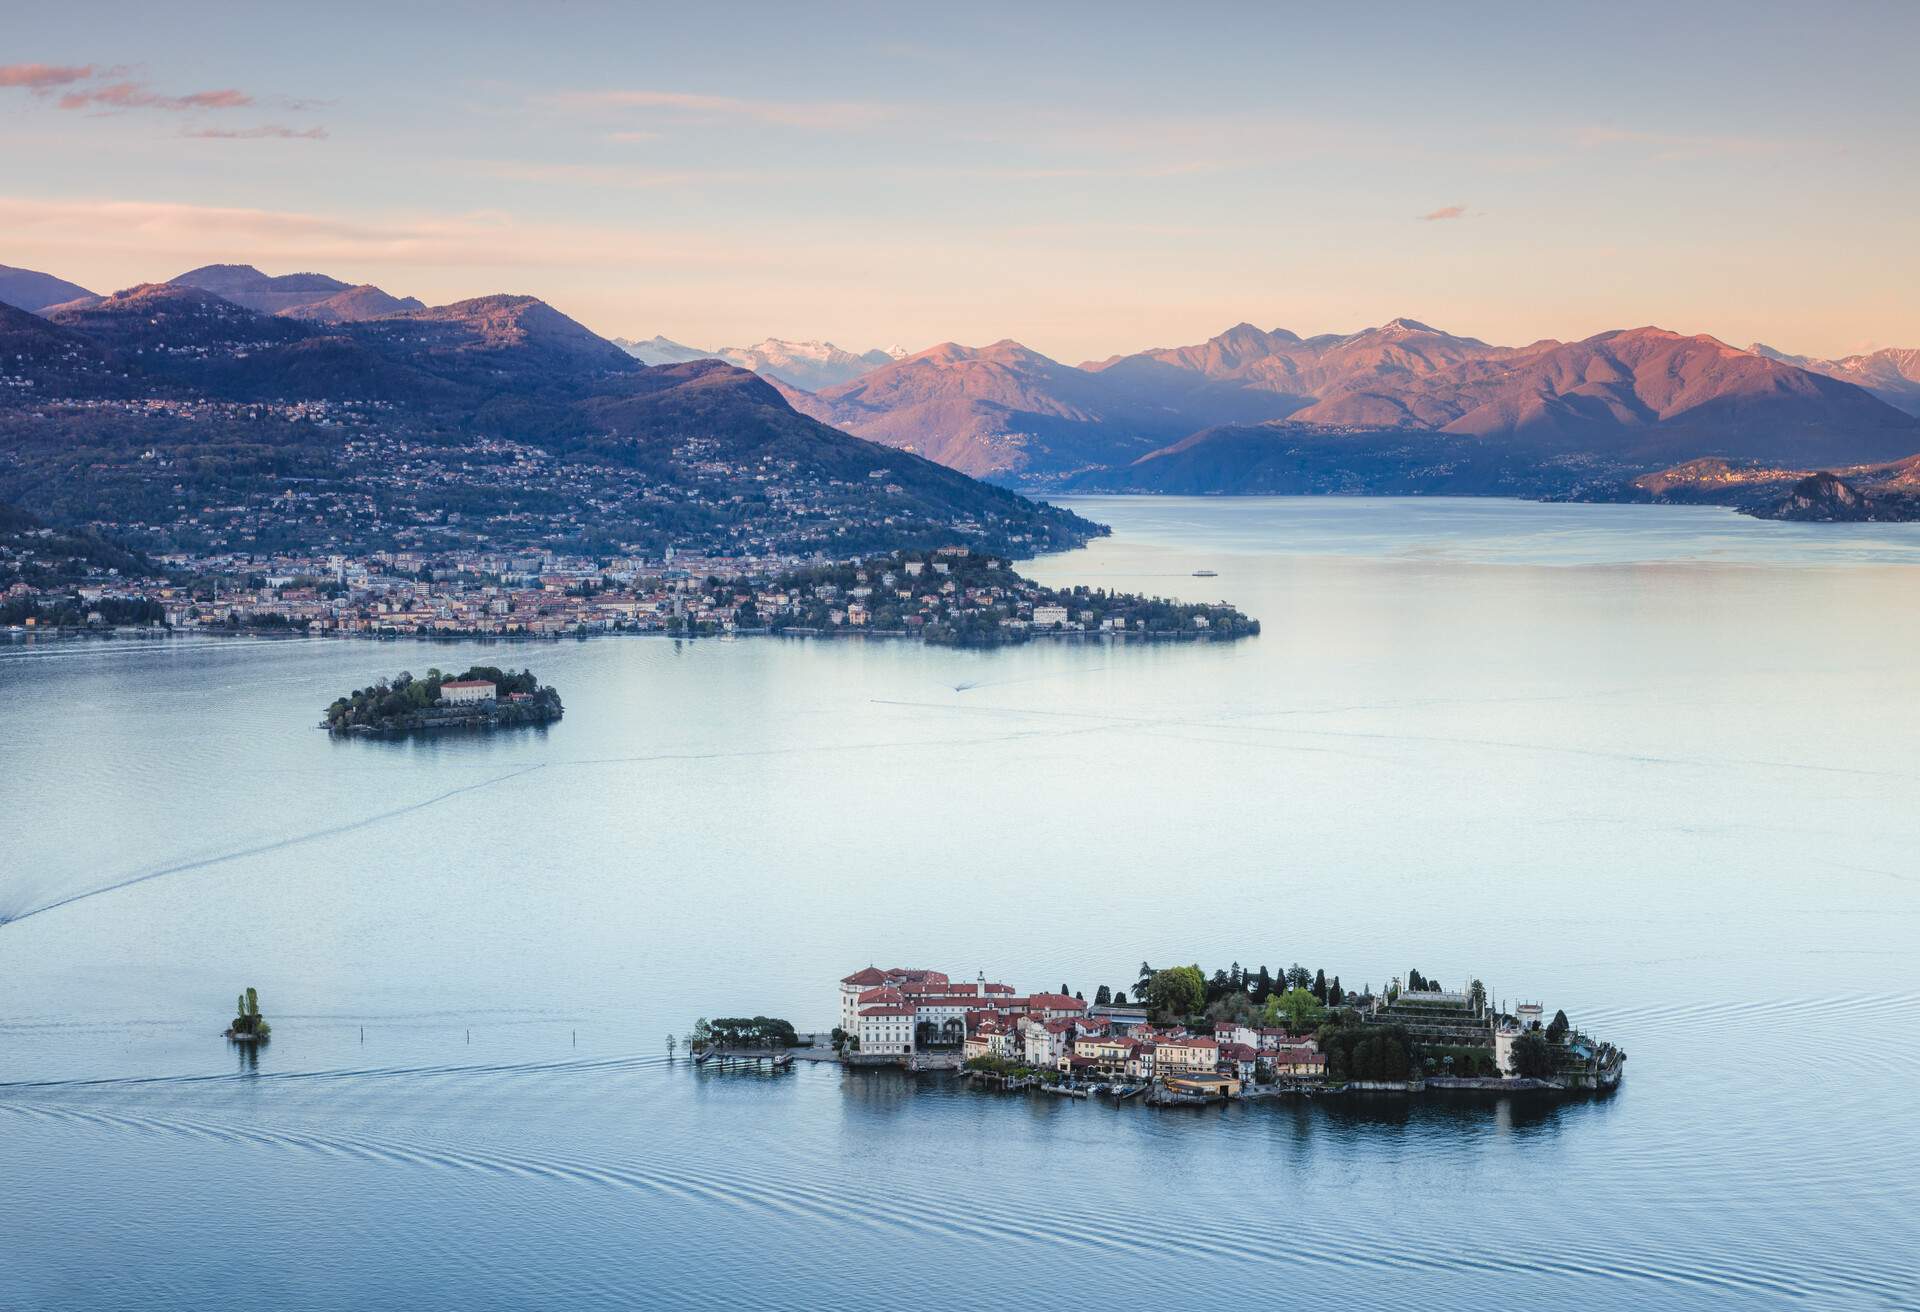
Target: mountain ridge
<point>31,290</point>
<point>296,295</point>
<point>238,396</point>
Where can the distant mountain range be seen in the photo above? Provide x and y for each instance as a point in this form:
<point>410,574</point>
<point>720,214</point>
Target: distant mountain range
<point>1237,412</point>
<point>809,366</point>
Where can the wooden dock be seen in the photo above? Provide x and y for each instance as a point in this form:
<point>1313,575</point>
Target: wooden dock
<point>778,1059</point>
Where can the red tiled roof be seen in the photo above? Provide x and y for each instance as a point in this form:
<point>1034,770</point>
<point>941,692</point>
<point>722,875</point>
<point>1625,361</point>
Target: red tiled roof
<point>887,1011</point>
<point>1054,1002</point>
<point>1188,1043</point>
<point>871,975</point>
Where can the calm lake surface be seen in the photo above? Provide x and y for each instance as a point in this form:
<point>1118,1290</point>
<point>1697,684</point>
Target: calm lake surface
<point>1658,767</point>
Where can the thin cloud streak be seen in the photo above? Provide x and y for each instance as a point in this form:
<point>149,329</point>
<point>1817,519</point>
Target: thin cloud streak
<point>158,230</point>
<point>1443,213</point>
<point>816,115</point>
<point>1683,146</point>
<point>266,132</point>
<point>615,175</point>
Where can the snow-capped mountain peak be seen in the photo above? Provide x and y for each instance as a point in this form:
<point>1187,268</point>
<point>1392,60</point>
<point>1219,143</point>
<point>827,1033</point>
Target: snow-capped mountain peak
<point>810,365</point>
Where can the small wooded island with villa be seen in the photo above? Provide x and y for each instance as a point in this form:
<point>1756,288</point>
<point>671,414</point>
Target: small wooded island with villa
<point>485,697</point>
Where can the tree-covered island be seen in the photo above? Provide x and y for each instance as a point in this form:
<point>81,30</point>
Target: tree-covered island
<point>485,697</point>
<point>955,596</point>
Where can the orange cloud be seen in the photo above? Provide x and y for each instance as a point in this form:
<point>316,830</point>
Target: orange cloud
<point>43,77</point>
<point>136,95</point>
<point>1444,212</point>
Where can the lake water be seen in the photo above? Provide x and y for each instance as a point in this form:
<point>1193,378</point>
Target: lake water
<point>1658,767</point>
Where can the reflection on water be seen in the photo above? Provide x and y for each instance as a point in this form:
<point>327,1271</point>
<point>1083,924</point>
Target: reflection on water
<point>1657,769</point>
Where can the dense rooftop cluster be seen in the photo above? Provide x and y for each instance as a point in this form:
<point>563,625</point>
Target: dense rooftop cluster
<point>1234,1031</point>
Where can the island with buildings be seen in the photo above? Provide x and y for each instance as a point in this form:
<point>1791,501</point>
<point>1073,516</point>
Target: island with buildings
<point>485,697</point>
<point>1191,1038</point>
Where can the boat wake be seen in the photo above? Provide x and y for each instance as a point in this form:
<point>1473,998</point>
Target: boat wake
<point>11,917</point>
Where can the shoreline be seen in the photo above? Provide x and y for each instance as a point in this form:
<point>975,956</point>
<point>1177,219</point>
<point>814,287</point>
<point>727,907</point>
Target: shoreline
<point>277,634</point>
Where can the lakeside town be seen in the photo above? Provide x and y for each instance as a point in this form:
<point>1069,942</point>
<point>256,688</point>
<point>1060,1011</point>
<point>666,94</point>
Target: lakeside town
<point>949,594</point>
<point>1185,1037</point>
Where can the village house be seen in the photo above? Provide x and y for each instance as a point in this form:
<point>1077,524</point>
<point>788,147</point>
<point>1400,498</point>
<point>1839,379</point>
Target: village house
<point>1298,1062</point>
<point>1106,1054</point>
<point>1228,1031</point>
<point>1044,1042</point>
<point>1239,1060</point>
<point>1186,1054</point>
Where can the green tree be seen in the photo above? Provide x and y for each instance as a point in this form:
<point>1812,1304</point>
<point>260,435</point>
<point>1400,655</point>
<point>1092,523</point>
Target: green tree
<point>1120,999</point>
<point>1237,1007</point>
<point>1103,996</point>
<point>1217,987</point>
<point>1320,985</point>
<point>1298,976</point>
<point>1177,992</point>
<point>1532,1057</point>
<point>1557,1027</point>
<point>1297,1007</point>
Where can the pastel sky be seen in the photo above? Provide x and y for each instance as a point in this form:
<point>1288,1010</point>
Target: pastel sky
<point>1087,180</point>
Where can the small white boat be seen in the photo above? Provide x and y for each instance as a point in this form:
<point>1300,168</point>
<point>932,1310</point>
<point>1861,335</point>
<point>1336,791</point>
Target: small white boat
<point>1206,574</point>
